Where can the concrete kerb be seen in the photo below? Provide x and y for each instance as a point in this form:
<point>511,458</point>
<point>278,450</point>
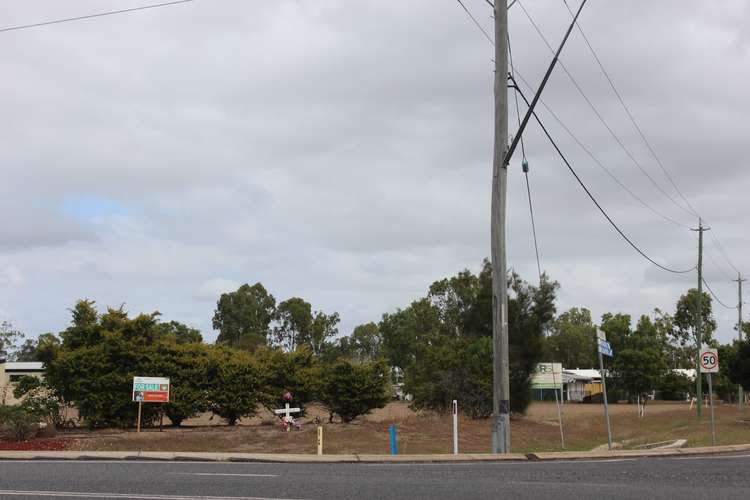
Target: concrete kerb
<point>363,458</point>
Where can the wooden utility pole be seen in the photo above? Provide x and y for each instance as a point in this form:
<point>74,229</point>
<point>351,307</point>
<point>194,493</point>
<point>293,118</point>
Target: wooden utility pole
<point>501,158</point>
<point>699,321</point>
<point>500,382</point>
<point>740,392</point>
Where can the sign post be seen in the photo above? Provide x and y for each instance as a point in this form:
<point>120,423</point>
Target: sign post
<point>604,349</point>
<point>557,403</point>
<point>149,390</point>
<point>709,361</point>
<point>550,376</point>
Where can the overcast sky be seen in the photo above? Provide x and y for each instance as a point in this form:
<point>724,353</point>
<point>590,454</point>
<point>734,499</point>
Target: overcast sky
<point>341,151</point>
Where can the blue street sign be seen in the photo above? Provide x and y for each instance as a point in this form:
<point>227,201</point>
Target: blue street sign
<point>605,348</point>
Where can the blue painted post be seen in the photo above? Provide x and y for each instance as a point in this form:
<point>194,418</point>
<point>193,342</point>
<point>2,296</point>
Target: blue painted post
<point>394,446</point>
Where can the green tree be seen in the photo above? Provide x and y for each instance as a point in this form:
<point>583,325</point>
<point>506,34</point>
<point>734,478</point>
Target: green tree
<point>288,372</point>
<point>739,365</point>
<point>364,344</point>
<point>43,348</point>
<point>572,339</point>
<point>18,420</point>
<point>179,333</point>
<point>243,316</point>
<point>675,386</point>
<point>456,363</point>
<point>98,380</point>
<point>683,335</point>
<point>351,389</point>
<point>187,367</point>
<point>84,329</point>
<point>26,351</point>
<point>723,387</point>
<point>323,327</point>
<point>617,328</point>
<point>235,385</point>
<point>41,400</point>
<point>407,329</point>
<point>641,365</point>
<point>100,354</point>
<point>454,368</point>
<point>294,323</point>
<point>9,338</point>
<point>455,300</point>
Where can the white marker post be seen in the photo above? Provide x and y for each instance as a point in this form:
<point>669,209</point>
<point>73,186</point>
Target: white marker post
<point>709,360</point>
<point>604,348</point>
<point>455,427</point>
<point>320,440</point>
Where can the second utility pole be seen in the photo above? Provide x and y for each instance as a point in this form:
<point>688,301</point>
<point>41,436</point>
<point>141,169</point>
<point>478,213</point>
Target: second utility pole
<point>740,393</point>
<point>699,321</point>
<point>500,382</point>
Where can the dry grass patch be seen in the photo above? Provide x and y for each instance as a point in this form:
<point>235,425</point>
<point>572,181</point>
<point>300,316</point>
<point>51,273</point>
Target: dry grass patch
<point>429,433</point>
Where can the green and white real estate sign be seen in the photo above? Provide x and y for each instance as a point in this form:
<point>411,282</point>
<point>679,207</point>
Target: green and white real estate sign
<point>547,376</point>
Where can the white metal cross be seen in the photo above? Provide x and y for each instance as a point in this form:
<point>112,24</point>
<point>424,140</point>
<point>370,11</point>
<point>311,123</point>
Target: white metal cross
<point>287,412</point>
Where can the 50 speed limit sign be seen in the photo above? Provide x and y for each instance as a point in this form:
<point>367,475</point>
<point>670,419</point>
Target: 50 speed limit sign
<point>709,361</point>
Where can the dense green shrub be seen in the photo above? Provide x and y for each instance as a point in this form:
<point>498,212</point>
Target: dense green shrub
<point>236,386</point>
<point>187,366</point>
<point>675,387</point>
<point>293,373</point>
<point>42,401</point>
<point>350,389</point>
<point>17,420</point>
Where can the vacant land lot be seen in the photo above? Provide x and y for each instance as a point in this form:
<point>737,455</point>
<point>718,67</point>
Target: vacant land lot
<point>428,433</point>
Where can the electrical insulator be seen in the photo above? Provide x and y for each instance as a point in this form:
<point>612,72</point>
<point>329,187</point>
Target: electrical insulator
<point>525,166</point>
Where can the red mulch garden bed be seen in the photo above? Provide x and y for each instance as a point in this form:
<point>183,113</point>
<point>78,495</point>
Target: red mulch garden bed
<point>44,444</point>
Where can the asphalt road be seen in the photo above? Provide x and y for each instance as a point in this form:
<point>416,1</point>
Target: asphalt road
<point>678,478</point>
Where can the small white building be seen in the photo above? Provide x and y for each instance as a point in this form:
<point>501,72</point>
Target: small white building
<point>11,372</point>
<point>579,384</point>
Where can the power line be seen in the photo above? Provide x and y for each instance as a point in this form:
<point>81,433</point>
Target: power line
<point>638,129</point>
<point>720,247</point>
<point>642,135</point>
<point>590,154</point>
<point>468,13</point>
<point>525,167</point>
<point>601,165</point>
<point>715,297</point>
<point>593,199</point>
<point>601,118</point>
<point>630,115</point>
<point>718,267</point>
<point>90,16</point>
<point>591,196</point>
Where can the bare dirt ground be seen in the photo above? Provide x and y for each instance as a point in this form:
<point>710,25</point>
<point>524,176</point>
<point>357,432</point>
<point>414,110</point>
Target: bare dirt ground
<point>429,433</point>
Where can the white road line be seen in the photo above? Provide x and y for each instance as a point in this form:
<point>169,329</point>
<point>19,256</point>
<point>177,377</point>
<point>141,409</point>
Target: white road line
<point>221,474</point>
<point>141,462</point>
<point>719,457</point>
<point>577,483</point>
<point>478,463</point>
<point>81,494</point>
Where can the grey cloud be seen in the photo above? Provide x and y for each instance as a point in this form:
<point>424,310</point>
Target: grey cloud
<point>341,151</point>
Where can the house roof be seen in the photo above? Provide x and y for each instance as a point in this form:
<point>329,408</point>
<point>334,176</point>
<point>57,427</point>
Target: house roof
<point>689,373</point>
<point>25,366</point>
<point>578,374</point>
